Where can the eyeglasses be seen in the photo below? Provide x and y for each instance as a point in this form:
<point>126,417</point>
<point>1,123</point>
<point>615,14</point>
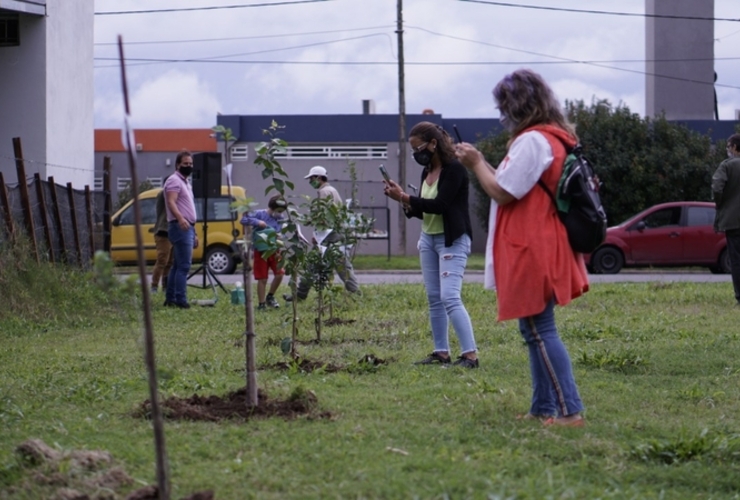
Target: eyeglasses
<point>420,148</point>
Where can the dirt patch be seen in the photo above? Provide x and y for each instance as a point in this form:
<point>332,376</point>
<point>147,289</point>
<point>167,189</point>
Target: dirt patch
<point>338,321</point>
<point>306,366</point>
<point>368,362</point>
<point>77,475</point>
<point>300,403</point>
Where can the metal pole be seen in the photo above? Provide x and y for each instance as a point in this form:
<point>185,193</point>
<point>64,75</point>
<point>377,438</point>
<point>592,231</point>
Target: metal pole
<point>401,127</point>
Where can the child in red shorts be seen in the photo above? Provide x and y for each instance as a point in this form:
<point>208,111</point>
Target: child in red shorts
<point>263,222</point>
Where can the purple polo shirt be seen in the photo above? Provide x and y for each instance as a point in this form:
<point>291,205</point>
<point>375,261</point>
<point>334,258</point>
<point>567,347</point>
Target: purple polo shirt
<point>178,184</point>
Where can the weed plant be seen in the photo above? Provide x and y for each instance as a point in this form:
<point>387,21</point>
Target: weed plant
<point>40,295</point>
<point>657,366</point>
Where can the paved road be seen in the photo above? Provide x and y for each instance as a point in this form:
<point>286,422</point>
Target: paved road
<point>386,277</point>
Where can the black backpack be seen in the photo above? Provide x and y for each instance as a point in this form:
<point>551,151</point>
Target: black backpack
<point>578,203</point>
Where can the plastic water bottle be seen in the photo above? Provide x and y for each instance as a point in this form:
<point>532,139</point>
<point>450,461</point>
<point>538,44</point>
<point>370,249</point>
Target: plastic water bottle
<point>237,294</point>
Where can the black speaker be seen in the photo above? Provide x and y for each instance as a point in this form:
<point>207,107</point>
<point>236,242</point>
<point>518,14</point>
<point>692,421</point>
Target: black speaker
<point>206,175</point>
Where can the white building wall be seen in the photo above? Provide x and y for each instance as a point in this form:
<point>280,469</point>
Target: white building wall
<point>46,92</point>
<point>23,98</point>
<point>70,130</point>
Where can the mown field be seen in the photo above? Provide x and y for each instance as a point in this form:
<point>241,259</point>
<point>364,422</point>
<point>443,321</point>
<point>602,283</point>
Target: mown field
<point>658,367</point>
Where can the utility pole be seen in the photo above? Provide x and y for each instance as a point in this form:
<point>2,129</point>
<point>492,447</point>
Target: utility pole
<point>401,126</point>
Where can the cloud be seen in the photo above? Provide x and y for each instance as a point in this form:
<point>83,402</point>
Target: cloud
<point>174,99</point>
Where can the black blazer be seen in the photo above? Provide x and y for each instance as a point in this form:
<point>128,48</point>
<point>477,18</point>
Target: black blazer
<point>451,202</point>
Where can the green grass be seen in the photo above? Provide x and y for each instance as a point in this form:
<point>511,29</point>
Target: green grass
<point>373,262</point>
<point>657,366</point>
<point>404,263</point>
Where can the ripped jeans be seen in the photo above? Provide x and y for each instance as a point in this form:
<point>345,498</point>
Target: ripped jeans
<point>443,268</point>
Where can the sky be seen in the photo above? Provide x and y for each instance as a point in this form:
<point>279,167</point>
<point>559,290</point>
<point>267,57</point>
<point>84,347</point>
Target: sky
<point>282,57</point>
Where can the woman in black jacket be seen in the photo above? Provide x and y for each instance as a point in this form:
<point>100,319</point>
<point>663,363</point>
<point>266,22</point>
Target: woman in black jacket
<point>444,244</point>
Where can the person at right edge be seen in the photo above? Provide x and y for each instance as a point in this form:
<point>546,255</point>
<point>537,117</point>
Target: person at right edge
<point>726,194</point>
<point>534,266</point>
<point>444,243</point>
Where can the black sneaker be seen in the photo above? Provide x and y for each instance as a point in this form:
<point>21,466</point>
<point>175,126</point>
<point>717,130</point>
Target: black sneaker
<point>432,359</point>
<point>182,305</point>
<point>271,302</point>
<point>466,362</point>
<point>287,297</point>
<point>262,307</point>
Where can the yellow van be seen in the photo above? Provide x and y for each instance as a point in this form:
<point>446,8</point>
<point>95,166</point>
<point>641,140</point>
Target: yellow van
<point>224,228</point>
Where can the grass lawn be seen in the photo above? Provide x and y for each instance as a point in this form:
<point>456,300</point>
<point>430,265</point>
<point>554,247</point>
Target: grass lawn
<point>658,368</point>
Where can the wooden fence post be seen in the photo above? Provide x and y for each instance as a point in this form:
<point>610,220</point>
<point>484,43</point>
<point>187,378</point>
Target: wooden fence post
<point>25,199</point>
<point>75,226</point>
<point>108,204</point>
<point>58,219</point>
<point>90,225</point>
<point>5,201</point>
<point>43,213</point>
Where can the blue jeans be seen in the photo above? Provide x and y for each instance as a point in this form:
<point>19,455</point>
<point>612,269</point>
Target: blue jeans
<point>443,268</point>
<point>182,252</point>
<point>554,390</point>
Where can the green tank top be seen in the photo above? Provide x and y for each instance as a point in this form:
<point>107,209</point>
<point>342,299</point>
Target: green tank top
<point>432,223</point>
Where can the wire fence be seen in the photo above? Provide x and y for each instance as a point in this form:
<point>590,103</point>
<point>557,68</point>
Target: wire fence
<point>63,224</point>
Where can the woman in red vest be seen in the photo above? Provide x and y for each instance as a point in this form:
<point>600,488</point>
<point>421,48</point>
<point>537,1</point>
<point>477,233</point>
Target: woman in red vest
<point>533,266</point>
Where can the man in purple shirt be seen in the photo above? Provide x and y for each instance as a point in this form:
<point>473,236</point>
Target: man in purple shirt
<point>181,218</point>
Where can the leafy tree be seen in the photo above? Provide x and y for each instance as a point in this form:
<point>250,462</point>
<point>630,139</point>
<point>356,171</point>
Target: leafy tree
<point>640,161</point>
<point>126,194</point>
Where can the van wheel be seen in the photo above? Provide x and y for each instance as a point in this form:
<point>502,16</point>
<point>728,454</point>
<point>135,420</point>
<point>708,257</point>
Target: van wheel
<point>220,260</point>
<point>607,260</point>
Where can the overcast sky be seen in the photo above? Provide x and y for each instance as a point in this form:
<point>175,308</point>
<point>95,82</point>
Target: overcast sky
<point>325,57</point>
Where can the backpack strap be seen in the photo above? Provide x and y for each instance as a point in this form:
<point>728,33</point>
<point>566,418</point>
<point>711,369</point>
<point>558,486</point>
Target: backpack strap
<point>568,151</point>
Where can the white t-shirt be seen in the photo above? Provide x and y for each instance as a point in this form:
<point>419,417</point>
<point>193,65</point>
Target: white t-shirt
<point>525,162</point>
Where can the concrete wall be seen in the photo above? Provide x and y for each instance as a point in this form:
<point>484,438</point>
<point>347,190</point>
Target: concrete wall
<point>23,98</point>
<point>69,91</point>
<point>683,89</point>
<point>46,92</point>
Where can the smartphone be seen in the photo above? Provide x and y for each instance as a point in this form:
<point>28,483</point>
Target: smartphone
<point>384,173</point>
<point>457,133</point>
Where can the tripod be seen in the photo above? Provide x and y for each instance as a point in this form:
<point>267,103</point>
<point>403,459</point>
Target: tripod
<point>207,273</point>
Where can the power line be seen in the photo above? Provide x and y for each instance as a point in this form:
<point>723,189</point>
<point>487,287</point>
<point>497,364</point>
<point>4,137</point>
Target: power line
<point>215,7</point>
<point>256,37</point>
<point>146,61</point>
<point>604,12</point>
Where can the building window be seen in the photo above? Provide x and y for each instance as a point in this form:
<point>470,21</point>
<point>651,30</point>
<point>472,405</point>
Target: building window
<point>156,182</point>
<point>239,153</point>
<point>9,30</point>
<point>123,183</point>
<point>98,184</point>
<point>368,152</point>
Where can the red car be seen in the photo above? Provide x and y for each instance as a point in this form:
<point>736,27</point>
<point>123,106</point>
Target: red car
<point>670,234</point>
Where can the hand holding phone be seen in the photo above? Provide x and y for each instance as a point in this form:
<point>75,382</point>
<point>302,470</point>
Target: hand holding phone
<point>457,133</point>
<point>384,173</point>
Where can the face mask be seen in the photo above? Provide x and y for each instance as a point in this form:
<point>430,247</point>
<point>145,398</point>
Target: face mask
<point>423,157</point>
<point>316,184</point>
<point>186,171</point>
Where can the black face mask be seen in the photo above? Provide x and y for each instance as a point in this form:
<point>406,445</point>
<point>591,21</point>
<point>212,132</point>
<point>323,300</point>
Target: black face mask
<point>186,171</point>
<point>423,157</point>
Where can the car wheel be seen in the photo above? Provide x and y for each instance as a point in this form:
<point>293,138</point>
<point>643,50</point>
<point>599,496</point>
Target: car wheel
<point>220,260</point>
<point>607,260</point>
<point>723,264</point>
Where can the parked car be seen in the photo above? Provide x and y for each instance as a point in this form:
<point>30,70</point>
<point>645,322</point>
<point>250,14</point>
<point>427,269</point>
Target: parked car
<point>224,229</point>
<point>670,234</point>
